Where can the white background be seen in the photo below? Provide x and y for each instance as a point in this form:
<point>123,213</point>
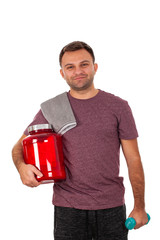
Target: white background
<point>125,36</point>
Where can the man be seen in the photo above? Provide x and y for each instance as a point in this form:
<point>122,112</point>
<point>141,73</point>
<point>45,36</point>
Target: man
<point>89,204</point>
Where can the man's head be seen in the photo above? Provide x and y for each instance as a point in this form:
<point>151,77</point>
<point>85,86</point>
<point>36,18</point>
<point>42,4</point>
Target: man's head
<point>78,65</point>
<point>74,46</point>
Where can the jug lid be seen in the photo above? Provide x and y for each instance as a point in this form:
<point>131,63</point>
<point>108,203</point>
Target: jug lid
<point>39,126</point>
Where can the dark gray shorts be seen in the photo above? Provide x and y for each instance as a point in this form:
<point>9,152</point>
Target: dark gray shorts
<point>76,224</point>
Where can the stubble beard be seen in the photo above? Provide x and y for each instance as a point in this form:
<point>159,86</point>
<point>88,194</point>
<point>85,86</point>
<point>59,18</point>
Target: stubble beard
<point>75,86</point>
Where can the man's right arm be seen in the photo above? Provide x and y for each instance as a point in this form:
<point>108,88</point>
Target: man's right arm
<point>27,171</point>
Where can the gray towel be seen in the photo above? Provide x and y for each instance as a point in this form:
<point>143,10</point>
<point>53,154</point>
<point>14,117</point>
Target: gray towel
<point>58,112</point>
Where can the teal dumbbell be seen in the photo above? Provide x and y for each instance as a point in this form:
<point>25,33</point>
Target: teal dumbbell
<point>131,223</point>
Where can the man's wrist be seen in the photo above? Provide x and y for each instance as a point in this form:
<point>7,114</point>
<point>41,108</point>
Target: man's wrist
<point>139,206</point>
<point>20,165</point>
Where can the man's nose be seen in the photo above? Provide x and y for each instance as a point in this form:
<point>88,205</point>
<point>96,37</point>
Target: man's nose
<point>78,70</point>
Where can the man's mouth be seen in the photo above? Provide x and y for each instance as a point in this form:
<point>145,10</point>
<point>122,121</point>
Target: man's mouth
<point>79,77</point>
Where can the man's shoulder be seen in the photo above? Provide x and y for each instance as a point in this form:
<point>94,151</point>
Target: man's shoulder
<point>57,98</point>
<point>112,98</point>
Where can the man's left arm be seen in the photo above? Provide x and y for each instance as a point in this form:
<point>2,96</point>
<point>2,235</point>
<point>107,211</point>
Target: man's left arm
<point>136,176</point>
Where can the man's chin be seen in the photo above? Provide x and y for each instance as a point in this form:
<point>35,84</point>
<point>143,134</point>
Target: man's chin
<point>80,87</point>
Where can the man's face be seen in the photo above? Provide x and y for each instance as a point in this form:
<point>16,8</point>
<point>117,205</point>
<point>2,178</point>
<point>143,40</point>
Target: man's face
<point>78,69</point>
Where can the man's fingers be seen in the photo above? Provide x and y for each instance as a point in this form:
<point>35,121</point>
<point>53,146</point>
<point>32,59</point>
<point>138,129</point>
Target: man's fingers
<point>37,172</point>
<point>140,217</point>
<point>28,175</point>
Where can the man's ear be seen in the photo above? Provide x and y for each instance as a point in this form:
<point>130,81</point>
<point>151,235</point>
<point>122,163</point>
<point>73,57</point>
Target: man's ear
<point>95,67</point>
<point>61,72</point>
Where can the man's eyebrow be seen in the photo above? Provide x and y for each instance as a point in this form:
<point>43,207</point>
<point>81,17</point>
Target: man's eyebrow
<point>68,64</point>
<point>85,61</point>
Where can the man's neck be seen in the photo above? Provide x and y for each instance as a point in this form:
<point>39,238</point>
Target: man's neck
<point>84,94</point>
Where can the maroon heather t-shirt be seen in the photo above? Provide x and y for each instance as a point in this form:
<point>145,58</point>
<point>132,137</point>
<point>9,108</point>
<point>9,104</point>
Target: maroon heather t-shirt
<point>91,152</point>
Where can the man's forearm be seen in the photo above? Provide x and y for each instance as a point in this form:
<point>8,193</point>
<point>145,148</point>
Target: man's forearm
<point>136,175</point>
<point>17,154</point>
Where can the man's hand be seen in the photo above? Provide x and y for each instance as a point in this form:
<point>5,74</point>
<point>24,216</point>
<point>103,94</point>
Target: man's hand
<point>28,175</point>
<point>140,217</point>
<point>27,172</point>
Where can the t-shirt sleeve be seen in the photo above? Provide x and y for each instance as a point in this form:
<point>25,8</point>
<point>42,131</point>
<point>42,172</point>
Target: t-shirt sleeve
<point>127,127</point>
<point>38,119</point>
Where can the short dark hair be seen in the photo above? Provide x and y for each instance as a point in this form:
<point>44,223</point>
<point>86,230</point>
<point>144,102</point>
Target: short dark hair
<point>74,46</point>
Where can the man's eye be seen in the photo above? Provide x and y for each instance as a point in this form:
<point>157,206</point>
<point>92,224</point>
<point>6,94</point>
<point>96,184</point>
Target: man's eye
<point>84,64</point>
<point>69,67</point>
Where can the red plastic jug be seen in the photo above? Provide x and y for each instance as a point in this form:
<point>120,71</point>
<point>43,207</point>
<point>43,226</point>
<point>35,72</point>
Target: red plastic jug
<point>43,149</point>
